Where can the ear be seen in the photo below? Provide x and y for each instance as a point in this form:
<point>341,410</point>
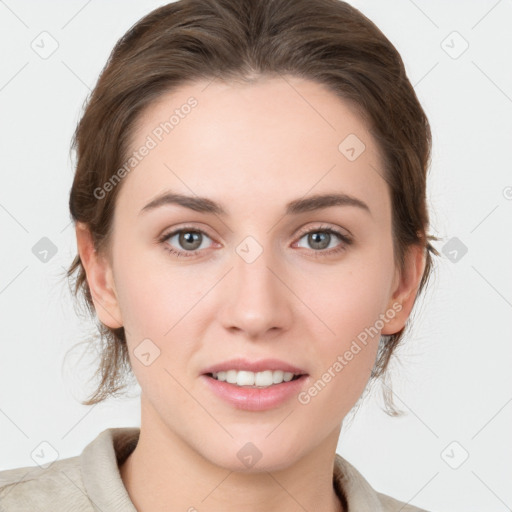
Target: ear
<point>99,277</point>
<point>405,288</point>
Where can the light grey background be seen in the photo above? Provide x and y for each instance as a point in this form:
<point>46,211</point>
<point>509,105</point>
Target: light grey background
<point>453,379</point>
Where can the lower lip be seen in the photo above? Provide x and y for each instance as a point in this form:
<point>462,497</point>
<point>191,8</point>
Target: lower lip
<point>255,399</point>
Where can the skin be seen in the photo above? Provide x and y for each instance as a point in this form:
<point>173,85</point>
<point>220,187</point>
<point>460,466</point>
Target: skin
<point>252,148</point>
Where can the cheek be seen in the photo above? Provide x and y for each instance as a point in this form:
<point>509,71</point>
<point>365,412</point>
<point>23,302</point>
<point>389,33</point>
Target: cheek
<point>351,298</point>
<point>150,300</point>
<point>347,350</point>
<point>161,303</point>
<point>349,303</point>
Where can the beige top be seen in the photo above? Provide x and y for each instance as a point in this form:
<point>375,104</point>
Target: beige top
<point>91,482</point>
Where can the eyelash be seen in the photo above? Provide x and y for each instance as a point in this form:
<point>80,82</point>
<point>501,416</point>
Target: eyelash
<point>345,239</point>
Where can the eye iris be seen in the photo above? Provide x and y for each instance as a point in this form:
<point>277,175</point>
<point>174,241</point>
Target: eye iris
<point>188,237</point>
<point>319,238</point>
<point>191,240</point>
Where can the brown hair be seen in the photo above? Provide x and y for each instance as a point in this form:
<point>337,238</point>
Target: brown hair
<point>327,41</point>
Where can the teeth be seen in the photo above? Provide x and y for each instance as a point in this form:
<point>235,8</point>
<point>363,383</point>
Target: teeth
<point>260,379</point>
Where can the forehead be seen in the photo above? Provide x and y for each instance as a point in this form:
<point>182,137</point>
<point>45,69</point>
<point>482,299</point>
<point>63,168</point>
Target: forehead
<point>272,140</point>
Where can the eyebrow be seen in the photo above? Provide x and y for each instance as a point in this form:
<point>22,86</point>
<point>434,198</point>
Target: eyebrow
<point>205,205</point>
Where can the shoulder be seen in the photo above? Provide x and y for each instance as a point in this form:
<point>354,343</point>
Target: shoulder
<point>390,504</point>
<point>84,483</point>
<point>56,487</point>
<point>359,495</point>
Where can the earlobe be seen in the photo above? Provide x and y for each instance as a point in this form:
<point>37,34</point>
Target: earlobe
<point>99,277</point>
<point>406,288</point>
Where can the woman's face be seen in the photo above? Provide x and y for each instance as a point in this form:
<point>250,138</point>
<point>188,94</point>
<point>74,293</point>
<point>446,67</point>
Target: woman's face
<point>250,282</point>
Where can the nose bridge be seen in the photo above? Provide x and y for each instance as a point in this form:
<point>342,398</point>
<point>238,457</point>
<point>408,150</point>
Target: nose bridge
<point>257,298</point>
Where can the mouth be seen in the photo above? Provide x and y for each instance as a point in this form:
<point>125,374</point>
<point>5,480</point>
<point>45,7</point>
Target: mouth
<point>258,380</point>
<point>249,394</point>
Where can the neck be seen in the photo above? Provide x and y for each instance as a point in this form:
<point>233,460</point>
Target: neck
<point>165,473</point>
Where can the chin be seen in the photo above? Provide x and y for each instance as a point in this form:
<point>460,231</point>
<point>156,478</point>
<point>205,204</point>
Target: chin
<point>255,456</point>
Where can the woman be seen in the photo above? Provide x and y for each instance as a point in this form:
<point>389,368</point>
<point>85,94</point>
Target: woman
<point>251,225</point>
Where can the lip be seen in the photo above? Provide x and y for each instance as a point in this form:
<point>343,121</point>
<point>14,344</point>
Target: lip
<point>256,399</point>
<point>240,363</point>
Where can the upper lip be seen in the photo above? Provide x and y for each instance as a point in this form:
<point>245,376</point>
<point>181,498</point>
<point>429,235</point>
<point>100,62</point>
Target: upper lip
<point>241,363</point>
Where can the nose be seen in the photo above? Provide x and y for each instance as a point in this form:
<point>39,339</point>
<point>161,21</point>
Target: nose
<point>258,299</point>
